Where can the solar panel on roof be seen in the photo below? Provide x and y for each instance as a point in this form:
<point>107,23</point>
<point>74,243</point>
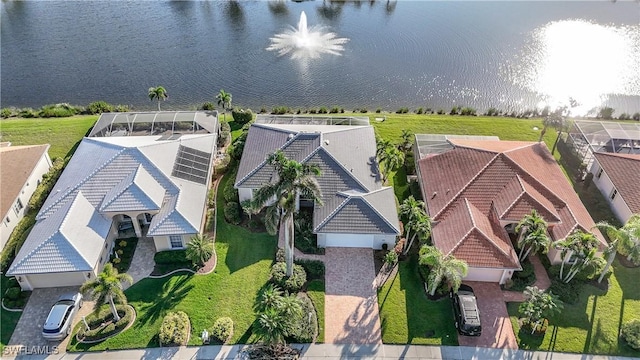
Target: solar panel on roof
<point>192,165</point>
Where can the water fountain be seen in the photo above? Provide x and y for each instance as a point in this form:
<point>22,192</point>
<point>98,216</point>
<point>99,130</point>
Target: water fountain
<point>306,43</point>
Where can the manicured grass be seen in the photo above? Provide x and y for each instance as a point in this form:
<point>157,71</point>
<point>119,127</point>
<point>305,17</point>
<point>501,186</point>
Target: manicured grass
<point>9,319</point>
<point>408,317</point>
<point>502,127</point>
<point>592,325</point>
<point>244,261</point>
<point>315,291</point>
<point>64,134</point>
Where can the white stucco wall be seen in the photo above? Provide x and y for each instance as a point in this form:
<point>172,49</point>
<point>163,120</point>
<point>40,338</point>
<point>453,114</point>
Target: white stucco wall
<point>488,275</point>
<point>245,194</point>
<point>30,282</point>
<point>605,185</point>
<point>373,241</point>
<point>41,168</point>
<point>163,243</point>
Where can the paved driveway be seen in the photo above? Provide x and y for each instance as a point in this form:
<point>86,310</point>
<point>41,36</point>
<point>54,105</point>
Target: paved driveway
<point>28,331</point>
<point>351,303</point>
<point>497,331</point>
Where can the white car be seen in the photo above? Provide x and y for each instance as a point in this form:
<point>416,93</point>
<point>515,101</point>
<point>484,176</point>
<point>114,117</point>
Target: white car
<point>58,323</point>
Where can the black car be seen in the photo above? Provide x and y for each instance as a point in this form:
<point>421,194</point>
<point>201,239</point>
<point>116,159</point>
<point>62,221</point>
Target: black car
<point>465,311</point>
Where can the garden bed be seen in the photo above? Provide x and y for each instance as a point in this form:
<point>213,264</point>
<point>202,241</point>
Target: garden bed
<point>102,326</point>
<point>125,253</point>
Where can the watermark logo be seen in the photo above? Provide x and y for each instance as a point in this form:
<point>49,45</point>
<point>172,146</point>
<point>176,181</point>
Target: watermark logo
<point>16,350</point>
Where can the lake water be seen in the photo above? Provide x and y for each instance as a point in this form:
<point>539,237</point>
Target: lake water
<point>509,55</point>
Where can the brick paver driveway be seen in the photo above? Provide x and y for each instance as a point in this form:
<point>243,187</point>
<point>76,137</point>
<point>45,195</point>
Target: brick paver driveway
<point>351,303</point>
<point>497,331</point>
<point>28,331</point>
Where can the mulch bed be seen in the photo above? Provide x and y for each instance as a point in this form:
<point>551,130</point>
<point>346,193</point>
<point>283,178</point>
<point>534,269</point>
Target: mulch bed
<point>208,266</point>
<point>624,262</point>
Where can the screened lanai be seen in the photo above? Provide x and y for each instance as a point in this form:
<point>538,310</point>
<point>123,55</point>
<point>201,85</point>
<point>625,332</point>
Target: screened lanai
<point>588,137</point>
<point>162,123</point>
<point>429,144</point>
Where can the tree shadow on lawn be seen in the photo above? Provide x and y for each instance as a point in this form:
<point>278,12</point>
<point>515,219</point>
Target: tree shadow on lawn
<point>425,318</point>
<point>158,296</point>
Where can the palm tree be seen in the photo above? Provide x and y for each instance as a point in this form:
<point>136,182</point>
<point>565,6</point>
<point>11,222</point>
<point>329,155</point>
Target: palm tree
<point>407,140</point>
<point>538,306</point>
<point>578,244</point>
<point>391,160</point>
<point>294,179</point>
<point>411,209</point>
<point>224,100</point>
<point>200,249</point>
<point>381,146</point>
<point>271,327</point>
<point>536,241</point>
<point>106,288</point>
<point>249,208</point>
<point>158,93</point>
<point>584,260</point>
<point>421,226</point>
<point>529,224</point>
<point>269,297</point>
<point>442,267</point>
<point>625,240</point>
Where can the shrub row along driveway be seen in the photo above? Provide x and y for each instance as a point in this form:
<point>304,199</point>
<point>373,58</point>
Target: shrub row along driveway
<point>352,315</point>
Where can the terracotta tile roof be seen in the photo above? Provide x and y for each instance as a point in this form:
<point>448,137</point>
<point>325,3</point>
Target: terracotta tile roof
<point>624,172</point>
<point>498,178</point>
<point>17,164</point>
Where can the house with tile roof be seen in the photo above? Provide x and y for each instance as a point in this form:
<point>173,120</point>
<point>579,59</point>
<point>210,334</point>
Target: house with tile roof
<point>476,190</point>
<point>122,182</point>
<point>22,171</point>
<point>617,176</point>
<point>357,210</point>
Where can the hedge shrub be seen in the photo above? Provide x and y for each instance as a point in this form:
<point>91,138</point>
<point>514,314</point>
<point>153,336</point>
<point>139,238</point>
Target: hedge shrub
<point>59,110</point>
<point>222,329</point>
<point>98,107</point>
<point>631,333</point>
<point>315,268</point>
<point>104,315</point>
<point>171,257</point>
<point>305,328</point>
<point>242,116</point>
<point>230,193</point>
<point>291,284</point>
<point>13,293</point>
<point>208,106</point>
<point>175,329</point>
<point>568,293</point>
<point>232,213</point>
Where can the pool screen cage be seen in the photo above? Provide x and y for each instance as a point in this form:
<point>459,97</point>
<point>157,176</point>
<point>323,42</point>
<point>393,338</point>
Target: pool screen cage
<point>588,137</point>
<point>312,120</point>
<point>163,123</point>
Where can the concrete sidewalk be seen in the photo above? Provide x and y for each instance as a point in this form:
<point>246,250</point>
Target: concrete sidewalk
<point>326,351</point>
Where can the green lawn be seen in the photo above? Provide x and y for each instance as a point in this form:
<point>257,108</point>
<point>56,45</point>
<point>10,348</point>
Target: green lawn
<point>590,326</point>
<point>244,261</point>
<point>64,134</point>
<point>9,319</point>
<point>315,291</point>
<point>408,317</point>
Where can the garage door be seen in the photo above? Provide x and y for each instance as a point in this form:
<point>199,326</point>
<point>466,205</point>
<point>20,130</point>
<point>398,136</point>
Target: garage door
<point>481,274</point>
<point>56,280</point>
<point>349,240</point>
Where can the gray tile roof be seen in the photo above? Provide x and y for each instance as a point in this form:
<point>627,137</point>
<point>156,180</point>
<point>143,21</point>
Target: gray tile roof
<point>346,157</point>
<point>69,240</point>
<point>169,221</point>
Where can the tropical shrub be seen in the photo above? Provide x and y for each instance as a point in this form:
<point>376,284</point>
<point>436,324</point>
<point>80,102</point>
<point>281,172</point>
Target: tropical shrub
<point>524,278</point>
<point>334,110</point>
<point>291,284</point>
<point>280,255</point>
<point>224,137</point>
<point>116,261</point>
<point>230,193</point>
<point>631,333</point>
<point>210,219</point>
<point>13,293</point>
<point>121,108</point>
<point>222,329</point>
<point>305,327</point>
<point>208,106</point>
<point>96,320</point>
<point>538,306</point>
<point>323,110</point>
<point>199,249</point>
<point>6,113</point>
<point>402,110</point>
<point>27,113</point>
<point>59,110</point>
<point>175,329</point>
<point>122,243</point>
<point>467,111</point>
<point>567,292</point>
<point>391,258</point>
<point>98,107</point>
<point>232,213</point>
<point>171,257</point>
<point>242,116</point>
<point>315,268</point>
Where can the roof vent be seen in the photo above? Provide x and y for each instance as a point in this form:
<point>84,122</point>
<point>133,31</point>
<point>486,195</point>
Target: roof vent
<point>326,141</point>
<point>434,194</point>
<point>448,190</point>
<point>290,136</point>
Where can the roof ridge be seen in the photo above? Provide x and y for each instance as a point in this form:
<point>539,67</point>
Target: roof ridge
<point>84,180</point>
<point>363,197</point>
<point>520,147</point>
<point>343,168</point>
<point>632,157</point>
<point>115,196</point>
<point>513,203</point>
<point>515,163</point>
<point>332,214</point>
<point>485,235</point>
<point>551,211</point>
<point>66,217</point>
<point>457,195</point>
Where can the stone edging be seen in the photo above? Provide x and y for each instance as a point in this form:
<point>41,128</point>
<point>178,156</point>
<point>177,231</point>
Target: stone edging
<point>9,309</point>
<point>170,273</point>
<point>112,335</point>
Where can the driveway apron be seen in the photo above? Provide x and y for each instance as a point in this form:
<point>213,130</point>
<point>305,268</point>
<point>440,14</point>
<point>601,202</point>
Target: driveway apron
<point>497,331</point>
<point>351,303</point>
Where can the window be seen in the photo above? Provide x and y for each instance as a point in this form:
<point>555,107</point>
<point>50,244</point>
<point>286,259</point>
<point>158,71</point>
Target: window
<point>599,173</point>
<point>613,194</point>
<point>7,220</point>
<point>18,206</point>
<point>176,241</point>
<point>148,217</point>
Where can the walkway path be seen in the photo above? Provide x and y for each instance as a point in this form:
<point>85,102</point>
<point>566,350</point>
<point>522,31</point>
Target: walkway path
<point>542,281</point>
<point>352,315</point>
<point>142,263</point>
<point>330,351</point>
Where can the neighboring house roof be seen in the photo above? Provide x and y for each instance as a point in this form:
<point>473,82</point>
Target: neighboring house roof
<point>502,180</point>
<point>17,164</point>
<point>352,193</point>
<point>122,174</point>
<point>69,240</point>
<point>624,172</point>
